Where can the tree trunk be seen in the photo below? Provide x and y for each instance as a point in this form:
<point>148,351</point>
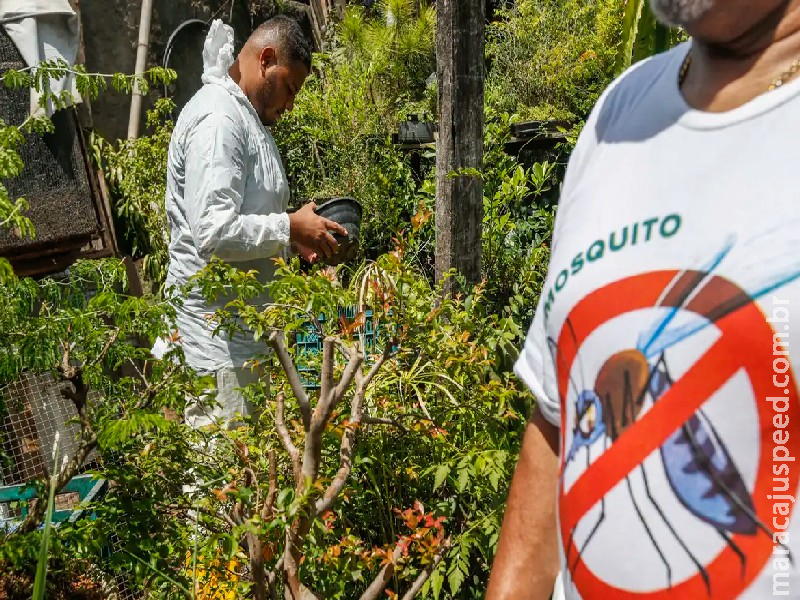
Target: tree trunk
<point>460,73</point>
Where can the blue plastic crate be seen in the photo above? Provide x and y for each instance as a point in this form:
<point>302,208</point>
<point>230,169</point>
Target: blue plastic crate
<point>310,342</point>
<point>87,487</point>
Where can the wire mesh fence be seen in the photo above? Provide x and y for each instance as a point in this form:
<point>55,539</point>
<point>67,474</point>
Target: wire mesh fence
<point>35,415</point>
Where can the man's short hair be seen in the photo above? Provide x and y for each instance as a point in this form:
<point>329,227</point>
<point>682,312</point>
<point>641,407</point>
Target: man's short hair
<point>287,37</point>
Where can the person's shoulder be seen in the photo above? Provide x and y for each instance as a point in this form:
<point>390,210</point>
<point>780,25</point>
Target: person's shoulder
<point>638,88</point>
<point>211,106</point>
<point>634,107</point>
<point>210,100</point>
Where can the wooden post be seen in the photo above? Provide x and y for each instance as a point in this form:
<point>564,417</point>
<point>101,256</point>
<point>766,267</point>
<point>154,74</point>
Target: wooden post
<point>460,73</point>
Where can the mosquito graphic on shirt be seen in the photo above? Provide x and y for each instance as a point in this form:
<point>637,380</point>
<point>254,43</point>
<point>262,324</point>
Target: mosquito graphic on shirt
<point>699,468</point>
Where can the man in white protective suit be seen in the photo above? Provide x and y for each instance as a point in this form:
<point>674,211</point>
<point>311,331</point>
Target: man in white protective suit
<point>227,196</point>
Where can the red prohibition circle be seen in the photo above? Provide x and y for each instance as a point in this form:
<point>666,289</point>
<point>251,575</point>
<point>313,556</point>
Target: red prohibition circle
<point>745,343</point>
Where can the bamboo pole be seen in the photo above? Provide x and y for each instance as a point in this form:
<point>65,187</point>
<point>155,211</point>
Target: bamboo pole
<point>141,62</point>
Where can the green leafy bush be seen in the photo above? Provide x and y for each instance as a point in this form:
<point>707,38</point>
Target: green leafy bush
<point>337,140</point>
<point>432,449</point>
<point>551,59</point>
<point>136,172</point>
<point>441,428</point>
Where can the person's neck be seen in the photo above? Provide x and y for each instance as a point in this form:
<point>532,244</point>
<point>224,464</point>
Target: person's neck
<point>724,76</point>
<point>235,72</point>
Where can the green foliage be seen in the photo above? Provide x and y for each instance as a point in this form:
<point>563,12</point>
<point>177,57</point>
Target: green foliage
<point>337,140</point>
<point>136,170</point>
<point>642,35</point>
<point>84,329</point>
<point>552,58</point>
<point>518,212</point>
<point>87,84</point>
<point>432,463</point>
<point>12,210</point>
<point>447,420</point>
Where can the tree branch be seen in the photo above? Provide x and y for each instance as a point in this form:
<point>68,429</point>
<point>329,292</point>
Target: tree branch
<point>387,352</point>
<point>312,454</point>
<point>286,439</point>
<point>257,570</point>
<point>276,341</point>
<point>312,451</point>
<point>186,510</point>
<point>353,365</point>
<point>111,339</point>
<point>382,579</point>
<point>272,577</point>
<point>327,402</point>
<point>239,514</point>
<point>150,392</point>
<point>272,493</point>
<point>382,421</point>
<point>326,379</point>
<point>427,571</point>
<point>345,450</point>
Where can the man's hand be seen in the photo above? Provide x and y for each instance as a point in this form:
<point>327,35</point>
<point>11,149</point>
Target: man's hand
<point>307,253</point>
<point>310,233</point>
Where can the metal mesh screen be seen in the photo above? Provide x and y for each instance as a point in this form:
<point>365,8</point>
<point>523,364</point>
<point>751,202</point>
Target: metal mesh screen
<point>35,412</point>
<point>54,179</point>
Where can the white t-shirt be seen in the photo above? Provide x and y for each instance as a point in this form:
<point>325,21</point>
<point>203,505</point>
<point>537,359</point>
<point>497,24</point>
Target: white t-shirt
<point>664,328</point>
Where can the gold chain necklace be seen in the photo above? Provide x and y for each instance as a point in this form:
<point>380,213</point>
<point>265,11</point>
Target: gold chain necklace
<point>788,74</point>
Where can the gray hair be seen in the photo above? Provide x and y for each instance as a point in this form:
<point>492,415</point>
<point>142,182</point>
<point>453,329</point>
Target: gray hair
<point>679,13</point>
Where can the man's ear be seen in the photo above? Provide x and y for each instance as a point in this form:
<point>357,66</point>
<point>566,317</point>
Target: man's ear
<point>268,58</point>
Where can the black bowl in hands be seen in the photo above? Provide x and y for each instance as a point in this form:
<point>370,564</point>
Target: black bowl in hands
<point>347,213</point>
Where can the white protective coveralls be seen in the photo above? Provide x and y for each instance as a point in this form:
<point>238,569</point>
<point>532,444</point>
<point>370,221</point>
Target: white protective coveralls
<point>227,196</point>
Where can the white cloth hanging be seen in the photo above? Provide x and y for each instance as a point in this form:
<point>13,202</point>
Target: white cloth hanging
<point>44,30</point>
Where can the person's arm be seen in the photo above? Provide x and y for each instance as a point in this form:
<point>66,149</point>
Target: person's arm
<point>526,564</point>
<point>215,181</point>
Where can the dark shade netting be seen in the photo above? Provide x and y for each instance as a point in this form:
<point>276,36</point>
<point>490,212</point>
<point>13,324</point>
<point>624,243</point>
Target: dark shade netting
<point>54,179</point>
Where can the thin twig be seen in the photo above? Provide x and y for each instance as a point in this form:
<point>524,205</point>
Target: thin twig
<point>195,518</point>
<point>100,357</point>
<point>272,574</point>
<point>149,393</point>
<point>382,421</point>
<point>387,352</point>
